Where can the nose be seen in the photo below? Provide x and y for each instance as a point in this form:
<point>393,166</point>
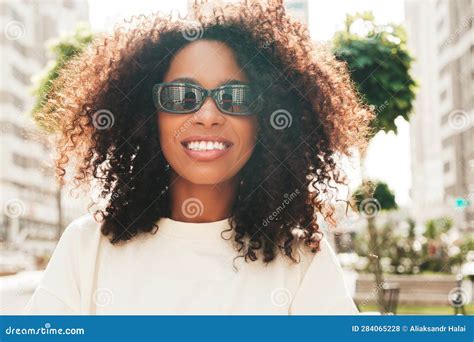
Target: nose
<point>209,115</point>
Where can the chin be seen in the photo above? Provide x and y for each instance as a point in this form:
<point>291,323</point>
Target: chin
<point>206,178</point>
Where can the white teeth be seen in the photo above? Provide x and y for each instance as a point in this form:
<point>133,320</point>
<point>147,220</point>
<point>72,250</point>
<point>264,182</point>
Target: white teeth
<point>205,145</point>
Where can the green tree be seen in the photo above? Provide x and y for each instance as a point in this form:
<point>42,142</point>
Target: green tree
<point>379,63</point>
<point>382,196</point>
<point>435,251</point>
<point>62,50</point>
<point>436,227</point>
<point>369,199</point>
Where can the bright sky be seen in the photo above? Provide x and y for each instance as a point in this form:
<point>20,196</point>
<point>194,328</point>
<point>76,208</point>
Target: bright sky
<point>389,154</point>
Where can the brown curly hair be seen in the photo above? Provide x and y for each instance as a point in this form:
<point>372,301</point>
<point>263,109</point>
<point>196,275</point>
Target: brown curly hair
<point>112,80</point>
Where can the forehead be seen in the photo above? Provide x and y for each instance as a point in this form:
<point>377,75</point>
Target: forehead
<point>209,62</point>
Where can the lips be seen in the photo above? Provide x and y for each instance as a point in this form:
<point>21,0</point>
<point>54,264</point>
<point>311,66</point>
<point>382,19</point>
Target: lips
<point>206,147</point>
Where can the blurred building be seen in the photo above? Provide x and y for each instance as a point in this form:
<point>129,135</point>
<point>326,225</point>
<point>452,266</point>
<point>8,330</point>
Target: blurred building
<point>30,200</point>
<point>441,37</point>
<point>296,8</point>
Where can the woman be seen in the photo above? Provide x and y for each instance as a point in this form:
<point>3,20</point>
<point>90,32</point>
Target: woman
<point>214,143</point>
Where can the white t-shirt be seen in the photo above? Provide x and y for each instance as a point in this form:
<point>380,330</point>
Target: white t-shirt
<point>185,268</point>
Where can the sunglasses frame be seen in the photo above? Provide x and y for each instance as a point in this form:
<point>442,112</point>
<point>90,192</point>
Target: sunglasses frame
<point>205,93</point>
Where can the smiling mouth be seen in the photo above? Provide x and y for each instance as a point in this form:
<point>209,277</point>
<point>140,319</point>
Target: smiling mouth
<point>206,145</point>
<point>206,148</point>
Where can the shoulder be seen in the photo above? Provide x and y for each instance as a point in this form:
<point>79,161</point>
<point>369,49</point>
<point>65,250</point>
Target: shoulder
<point>81,235</point>
<point>324,259</point>
<point>68,273</point>
<point>83,227</point>
<point>322,289</point>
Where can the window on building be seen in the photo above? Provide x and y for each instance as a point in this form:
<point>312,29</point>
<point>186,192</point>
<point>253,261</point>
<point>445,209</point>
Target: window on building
<point>26,162</point>
<point>8,97</point>
<point>446,167</point>
<point>440,24</point>
<point>21,48</point>
<point>20,75</point>
<point>442,95</point>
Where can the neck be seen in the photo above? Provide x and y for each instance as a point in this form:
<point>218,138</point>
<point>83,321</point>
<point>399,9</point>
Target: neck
<point>201,203</point>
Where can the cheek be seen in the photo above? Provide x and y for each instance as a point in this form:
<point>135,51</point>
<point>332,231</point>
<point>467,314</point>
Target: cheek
<point>167,126</point>
<point>246,129</point>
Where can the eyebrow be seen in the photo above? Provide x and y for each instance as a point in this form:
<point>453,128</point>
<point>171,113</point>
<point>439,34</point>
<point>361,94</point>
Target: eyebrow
<point>194,81</point>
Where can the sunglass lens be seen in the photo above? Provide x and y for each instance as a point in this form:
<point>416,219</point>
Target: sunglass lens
<point>180,98</point>
<point>236,100</point>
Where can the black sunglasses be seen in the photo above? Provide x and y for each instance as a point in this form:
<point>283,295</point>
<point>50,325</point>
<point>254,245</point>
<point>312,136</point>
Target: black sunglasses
<point>184,98</point>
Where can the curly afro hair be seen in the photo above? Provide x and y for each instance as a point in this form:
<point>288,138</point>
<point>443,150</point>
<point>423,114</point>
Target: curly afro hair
<point>310,116</point>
